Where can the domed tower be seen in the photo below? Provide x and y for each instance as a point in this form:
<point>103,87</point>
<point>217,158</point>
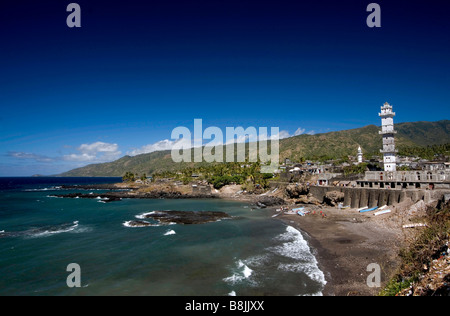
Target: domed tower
<point>388,132</point>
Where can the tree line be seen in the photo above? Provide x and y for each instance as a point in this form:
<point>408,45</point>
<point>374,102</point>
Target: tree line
<point>219,175</point>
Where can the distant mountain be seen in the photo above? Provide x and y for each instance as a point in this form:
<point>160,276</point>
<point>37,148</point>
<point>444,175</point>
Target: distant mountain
<point>333,145</point>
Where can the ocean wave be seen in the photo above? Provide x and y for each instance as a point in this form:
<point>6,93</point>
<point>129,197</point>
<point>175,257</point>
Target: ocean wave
<point>143,215</point>
<point>44,231</point>
<point>170,232</point>
<point>242,273</point>
<point>298,249</point>
<point>55,188</point>
<point>54,197</point>
<point>65,228</point>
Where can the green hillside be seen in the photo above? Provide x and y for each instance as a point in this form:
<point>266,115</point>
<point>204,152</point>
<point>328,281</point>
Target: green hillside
<point>334,145</point>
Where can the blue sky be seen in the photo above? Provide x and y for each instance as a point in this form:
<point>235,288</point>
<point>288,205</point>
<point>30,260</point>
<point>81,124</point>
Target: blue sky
<point>136,70</point>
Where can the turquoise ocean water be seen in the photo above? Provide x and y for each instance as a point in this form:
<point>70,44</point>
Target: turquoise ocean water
<point>40,235</point>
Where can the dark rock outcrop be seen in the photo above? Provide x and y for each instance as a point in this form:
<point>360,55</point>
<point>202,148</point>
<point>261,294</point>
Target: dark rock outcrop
<point>100,186</point>
<point>294,191</point>
<point>332,198</point>
<point>137,224</point>
<point>186,218</point>
<point>117,196</point>
<point>264,201</point>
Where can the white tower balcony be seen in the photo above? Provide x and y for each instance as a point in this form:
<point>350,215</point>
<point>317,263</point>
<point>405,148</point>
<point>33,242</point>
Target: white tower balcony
<point>388,131</point>
<point>386,114</point>
<point>389,151</point>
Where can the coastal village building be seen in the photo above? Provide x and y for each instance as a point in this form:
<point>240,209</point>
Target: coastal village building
<point>430,182</point>
<point>433,176</point>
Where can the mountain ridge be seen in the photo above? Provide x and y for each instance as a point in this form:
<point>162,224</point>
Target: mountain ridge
<point>331,145</point>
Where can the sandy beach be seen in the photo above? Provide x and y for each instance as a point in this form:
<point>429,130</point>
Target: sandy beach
<point>345,242</point>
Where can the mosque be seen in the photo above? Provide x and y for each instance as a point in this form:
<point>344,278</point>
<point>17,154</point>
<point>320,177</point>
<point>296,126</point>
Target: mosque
<point>390,178</point>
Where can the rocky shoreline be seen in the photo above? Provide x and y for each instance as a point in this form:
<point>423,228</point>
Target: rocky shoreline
<point>117,192</point>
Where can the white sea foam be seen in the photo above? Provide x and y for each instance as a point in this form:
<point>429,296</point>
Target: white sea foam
<point>314,294</point>
<point>82,229</point>
<point>102,200</point>
<point>143,215</point>
<point>54,197</point>
<point>144,224</point>
<point>47,233</point>
<point>43,189</point>
<point>247,272</point>
<point>232,293</point>
<point>170,232</point>
<point>297,248</point>
<point>243,273</point>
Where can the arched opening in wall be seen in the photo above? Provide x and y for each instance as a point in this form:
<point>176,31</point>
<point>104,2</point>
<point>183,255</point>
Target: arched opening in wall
<point>382,185</point>
<point>399,198</point>
<point>417,185</point>
<point>431,186</point>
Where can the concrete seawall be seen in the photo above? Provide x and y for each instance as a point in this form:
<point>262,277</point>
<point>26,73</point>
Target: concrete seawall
<point>362,197</point>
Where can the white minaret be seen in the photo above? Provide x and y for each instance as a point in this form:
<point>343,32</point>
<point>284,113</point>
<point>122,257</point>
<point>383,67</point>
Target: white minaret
<point>360,155</point>
<point>388,132</point>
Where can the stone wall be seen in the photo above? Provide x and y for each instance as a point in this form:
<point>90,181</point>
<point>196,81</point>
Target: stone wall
<point>362,197</point>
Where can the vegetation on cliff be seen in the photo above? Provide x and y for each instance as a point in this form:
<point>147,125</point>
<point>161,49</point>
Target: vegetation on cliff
<point>416,259</point>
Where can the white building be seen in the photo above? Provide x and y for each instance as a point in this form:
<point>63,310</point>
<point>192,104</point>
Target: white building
<point>360,155</point>
<point>388,132</point>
